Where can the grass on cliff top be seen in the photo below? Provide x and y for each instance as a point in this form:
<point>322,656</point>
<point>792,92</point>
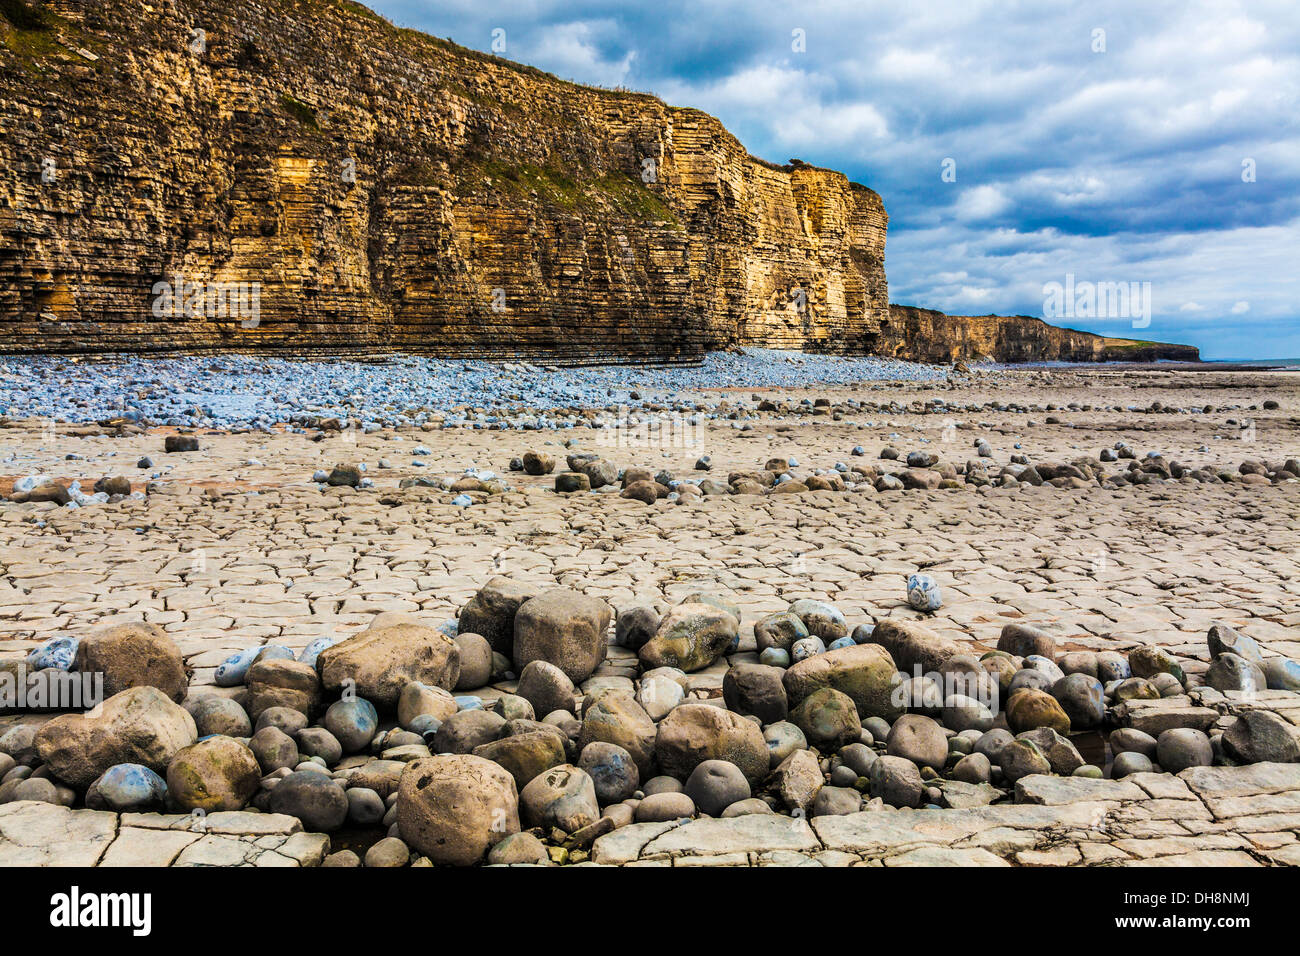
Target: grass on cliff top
<point>31,33</point>
<point>625,195</point>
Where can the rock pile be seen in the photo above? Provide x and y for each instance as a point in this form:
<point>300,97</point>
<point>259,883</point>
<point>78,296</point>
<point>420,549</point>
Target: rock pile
<point>379,732</point>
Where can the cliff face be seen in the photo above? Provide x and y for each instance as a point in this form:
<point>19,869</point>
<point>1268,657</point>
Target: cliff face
<point>924,335</point>
<point>306,177</point>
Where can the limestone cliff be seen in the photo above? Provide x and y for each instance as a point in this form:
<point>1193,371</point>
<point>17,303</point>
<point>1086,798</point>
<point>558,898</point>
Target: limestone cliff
<point>379,188</point>
<point>924,335</point>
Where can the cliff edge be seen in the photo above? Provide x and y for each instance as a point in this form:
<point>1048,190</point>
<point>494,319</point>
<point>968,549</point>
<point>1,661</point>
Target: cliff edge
<point>305,177</point>
<point>924,335</point>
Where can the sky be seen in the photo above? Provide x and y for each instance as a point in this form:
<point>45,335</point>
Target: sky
<point>1017,144</point>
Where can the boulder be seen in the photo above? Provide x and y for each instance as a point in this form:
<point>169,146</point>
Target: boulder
<point>139,725</point>
<point>282,683</point>
<point>1258,736</point>
<point>1031,709</point>
<point>781,630</point>
<point>491,611</point>
<point>314,798</point>
<point>715,785</point>
<point>454,808</point>
<point>378,662</point>
<point>417,699</point>
<point>864,672</point>
<point>546,687</point>
<point>896,781</point>
<point>134,655</point>
<point>475,661</point>
<point>755,689</point>
<point>797,780</point>
<point>217,773</point>
<point>918,739</point>
<point>693,733</point>
<point>690,637</point>
<point>827,718</point>
<point>615,717</point>
<point>563,797</point>
<point>564,628</point>
<point>635,626</point>
<point>527,754</point>
<point>912,645</point>
<point>1024,640</point>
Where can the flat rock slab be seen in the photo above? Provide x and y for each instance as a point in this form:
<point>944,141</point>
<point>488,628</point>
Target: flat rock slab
<point>43,834</point>
<point>1049,791</point>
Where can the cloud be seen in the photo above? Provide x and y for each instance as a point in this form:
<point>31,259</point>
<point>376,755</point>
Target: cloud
<point>1124,165</point>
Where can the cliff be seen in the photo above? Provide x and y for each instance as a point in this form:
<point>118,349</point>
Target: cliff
<point>307,178</point>
<point>924,335</point>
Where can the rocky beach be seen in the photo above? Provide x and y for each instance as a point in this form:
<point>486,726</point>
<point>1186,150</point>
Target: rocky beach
<point>772,609</point>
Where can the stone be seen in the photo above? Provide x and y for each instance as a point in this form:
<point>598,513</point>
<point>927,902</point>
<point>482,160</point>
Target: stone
<point>353,723</point>
<point>1021,758</point>
<point>635,626</point>
<point>858,757</point>
<point>961,713</point>
<point>924,593</point>
<point>1024,640</point>
<point>1031,709</point>
<point>614,717</point>
<point>282,683</point>
<point>781,630</point>
<point>475,661</point>
<point>836,801</point>
<point>1061,754</point>
<point>526,754</point>
<point>1223,639</point>
<point>274,749</point>
<point>1112,666</point>
<point>612,770</point>
<point>491,611</point>
<point>127,788</point>
<point>918,739</point>
<point>546,687</point>
<point>665,808</point>
<point>1126,739</point>
<point>973,768</point>
<point>538,463</point>
<point>911,645</point>
<point>797,780</point>
<point>134,655</point>
<point>139,725</point>
<point>455,808</point>
<point>563,797</point>
<point>821,619</point>
<point>1182,747</point>
<point>746,807</point>
<point>864,672</point>
<point>518,848</point>
<point>180,443</point>
<point>1258,736</point>
<point>658,695</point>
<point>896,781</point>
<point>463,732</point>
<point>991,742</point>
<point>1082,698</point>
<point>389,852</point>
<point>755,689</point>
<point>783,738</point>
<point>1130,762</point>
<point>319,802</point>
<point>690,637</point>
<point>379,661</point>
<point>365,806</point>
<point>564,628</point>
<point>417,700</point>
<point>716,784</point>
<point>1282,674</point>
<point>693,733</point>
<point>1228,672</point>
<point>218,773</point>
<point>1147,661</point>
<point>219,715</point>
<point>827,718</point>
